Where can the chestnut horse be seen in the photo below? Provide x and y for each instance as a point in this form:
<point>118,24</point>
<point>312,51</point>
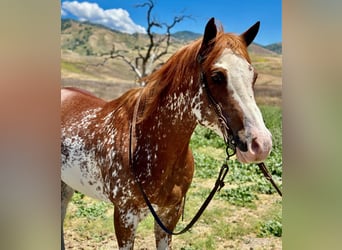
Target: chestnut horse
<point>96,135</point>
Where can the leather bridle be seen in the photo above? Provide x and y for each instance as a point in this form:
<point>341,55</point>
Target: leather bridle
<point>230,151</point>
<point>227,132</point>
<point>230,139</point>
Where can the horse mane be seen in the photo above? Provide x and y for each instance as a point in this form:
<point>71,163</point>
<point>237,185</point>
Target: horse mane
<point>180,68</point>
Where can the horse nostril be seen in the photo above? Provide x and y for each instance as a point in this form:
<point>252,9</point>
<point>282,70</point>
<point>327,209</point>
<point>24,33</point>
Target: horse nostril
<point>241,145</point>
<point>255,146</point>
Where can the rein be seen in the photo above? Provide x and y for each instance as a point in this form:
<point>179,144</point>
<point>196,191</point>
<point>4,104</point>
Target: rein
<point>219,183</point>
<point>268,176</point>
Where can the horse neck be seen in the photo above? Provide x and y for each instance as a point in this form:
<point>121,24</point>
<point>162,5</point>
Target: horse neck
<point>173,122</point>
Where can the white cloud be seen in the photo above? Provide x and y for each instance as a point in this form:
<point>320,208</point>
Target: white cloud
<point>63,13</point>
<point>117,19</point>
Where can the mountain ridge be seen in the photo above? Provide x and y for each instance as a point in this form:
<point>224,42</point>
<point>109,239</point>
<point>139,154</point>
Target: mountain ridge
<point>87,38</point>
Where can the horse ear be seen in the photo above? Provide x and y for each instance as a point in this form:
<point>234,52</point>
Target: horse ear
<point>249,35</point>
<point>209,34</point>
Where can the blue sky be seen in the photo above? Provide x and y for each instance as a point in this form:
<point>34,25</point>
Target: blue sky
<point>235,16</point>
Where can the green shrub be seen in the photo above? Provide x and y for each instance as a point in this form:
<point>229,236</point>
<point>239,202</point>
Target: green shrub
<point>271,227</point>
<point>89,210</point>
<point>203,137</point>
<point>206,166</point>
<point>240,196</point>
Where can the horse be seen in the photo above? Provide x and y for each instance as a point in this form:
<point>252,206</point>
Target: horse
<point>97,140</point>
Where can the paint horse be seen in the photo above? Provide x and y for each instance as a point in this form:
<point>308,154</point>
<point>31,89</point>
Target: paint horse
<point>96,135</point>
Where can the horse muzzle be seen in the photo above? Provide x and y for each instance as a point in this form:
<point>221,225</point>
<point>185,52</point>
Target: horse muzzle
<point>255,147</point>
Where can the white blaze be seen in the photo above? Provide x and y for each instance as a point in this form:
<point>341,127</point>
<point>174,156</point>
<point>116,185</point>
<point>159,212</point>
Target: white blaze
<point>240,77</point>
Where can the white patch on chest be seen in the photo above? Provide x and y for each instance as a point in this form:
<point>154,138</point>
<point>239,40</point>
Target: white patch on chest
<point>80,169</point>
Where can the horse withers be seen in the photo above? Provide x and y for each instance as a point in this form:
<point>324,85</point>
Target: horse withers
<point>208,82</point>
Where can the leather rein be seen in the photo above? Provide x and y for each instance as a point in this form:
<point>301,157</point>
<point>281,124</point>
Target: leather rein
<point>219,183</point>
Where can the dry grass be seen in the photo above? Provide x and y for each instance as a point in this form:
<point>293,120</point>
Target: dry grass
<point>222,226</point>
<point>112,79</point>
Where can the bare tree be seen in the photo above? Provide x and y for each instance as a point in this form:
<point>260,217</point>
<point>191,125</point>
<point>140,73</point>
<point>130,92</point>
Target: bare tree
<point>148,58</point>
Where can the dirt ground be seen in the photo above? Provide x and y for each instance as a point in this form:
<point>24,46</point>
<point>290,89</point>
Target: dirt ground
<point>75,240</point>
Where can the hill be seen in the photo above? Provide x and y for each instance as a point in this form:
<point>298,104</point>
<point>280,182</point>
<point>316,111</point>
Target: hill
<point>259,50</point>
<point>276,47</point>
<point>85,45</point>
<point>93,39</point>
<point>186,36</point>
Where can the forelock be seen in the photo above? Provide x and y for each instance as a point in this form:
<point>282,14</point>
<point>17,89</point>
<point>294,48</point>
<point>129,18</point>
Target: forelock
<point>223,41</point>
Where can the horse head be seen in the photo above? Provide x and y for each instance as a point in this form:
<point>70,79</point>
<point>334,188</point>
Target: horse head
<point>226,92</point>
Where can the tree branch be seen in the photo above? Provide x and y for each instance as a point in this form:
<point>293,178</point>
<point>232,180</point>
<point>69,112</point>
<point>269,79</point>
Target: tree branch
<point>167,37</point>
<point>158,45</point>
<point>116,54</point>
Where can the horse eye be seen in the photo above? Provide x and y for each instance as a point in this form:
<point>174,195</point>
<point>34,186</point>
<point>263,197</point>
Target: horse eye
<point>218,77</point>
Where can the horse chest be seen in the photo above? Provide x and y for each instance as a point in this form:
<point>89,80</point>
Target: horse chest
<point>80,169</point>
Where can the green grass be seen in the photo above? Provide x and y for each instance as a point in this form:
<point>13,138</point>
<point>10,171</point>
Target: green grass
<point>91,211</point>
<point>240,196</point>
<point>71,67</point>
<point>235,211</point>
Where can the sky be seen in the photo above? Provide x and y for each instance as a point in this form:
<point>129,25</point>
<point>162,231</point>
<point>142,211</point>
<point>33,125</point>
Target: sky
<point>235,15</point>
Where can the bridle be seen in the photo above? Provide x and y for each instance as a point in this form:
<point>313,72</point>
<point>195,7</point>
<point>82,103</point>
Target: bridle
<point>228,135</point>
<point>230,139</point>
<point>230,142</point>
